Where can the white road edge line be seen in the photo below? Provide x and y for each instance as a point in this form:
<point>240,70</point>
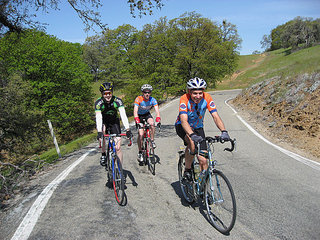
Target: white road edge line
<point>29,221</point>
<point>313,164</point>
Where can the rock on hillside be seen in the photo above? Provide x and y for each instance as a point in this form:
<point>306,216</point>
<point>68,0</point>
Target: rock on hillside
<point>289,108</point>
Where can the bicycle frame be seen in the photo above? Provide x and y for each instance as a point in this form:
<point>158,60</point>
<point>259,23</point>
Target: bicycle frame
<point>146,135</point>
<point>211,165</point>
<point>111,151</point>
<point>114,166</point>
<point>214,189</point>
<point>147,148</point>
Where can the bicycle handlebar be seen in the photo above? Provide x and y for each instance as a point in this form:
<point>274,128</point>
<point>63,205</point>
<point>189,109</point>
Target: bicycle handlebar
<point>117,135</point>
<point>219,139</point>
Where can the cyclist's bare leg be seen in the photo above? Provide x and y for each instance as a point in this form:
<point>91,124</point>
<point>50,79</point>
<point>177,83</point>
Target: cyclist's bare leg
<point>203,163</point>
<point>189,158</point>
<point>152,128</point>
<point>118,148</point>
<point>190,148</point>
<point>140,138</point>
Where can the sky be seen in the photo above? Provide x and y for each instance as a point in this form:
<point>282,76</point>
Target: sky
<point>253,18</point>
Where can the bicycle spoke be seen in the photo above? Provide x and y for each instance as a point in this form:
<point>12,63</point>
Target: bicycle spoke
<point>151,159</point>
<point>220,202</point>
<point>118,180</point>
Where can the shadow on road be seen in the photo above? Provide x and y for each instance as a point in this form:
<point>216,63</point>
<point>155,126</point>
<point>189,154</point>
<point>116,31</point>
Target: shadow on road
<point>127,174</point>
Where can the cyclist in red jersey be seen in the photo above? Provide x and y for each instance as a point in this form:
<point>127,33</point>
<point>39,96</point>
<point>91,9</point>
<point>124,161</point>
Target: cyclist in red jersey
<point>189,124</point>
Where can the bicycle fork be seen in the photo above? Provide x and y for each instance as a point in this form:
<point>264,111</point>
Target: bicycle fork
<point>218,199</point>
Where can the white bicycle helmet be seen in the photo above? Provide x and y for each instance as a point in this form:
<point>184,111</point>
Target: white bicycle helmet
<point>146,87</point>
<point>196,83</point>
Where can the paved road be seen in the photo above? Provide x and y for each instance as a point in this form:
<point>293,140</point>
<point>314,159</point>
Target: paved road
<point>277,196</point>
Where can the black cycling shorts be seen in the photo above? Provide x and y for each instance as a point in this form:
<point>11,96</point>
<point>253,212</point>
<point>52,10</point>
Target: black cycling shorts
<point>144,117</point>
<point>199,131</point>
<point>113,127</point>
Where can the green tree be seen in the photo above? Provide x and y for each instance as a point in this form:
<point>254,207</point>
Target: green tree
<point>59,78</point>
<point>202,52</point>
<point>298,33</point>
<point>107,56</point>
<point>266,42</point>
<point>22,129</point>
<point>229,33</point>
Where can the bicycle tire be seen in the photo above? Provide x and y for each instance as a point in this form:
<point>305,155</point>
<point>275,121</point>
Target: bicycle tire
<point>186,188</point>
<point>118,180</point>
<point>144,151</point>
<point>220,202</point>
<point>109,166</point>
<point>151,158</point>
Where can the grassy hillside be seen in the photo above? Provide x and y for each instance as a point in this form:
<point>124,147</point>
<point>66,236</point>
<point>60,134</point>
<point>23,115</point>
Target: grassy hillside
<point>283,99</point>
<point>255,68</point>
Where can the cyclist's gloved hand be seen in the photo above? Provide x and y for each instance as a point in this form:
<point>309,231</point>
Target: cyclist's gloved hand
<point>100,135</point>
<point>225,136</point>
<point>158,120</point>
<point>196,138</point>
<point>138,123</point>
<point>129,133</point>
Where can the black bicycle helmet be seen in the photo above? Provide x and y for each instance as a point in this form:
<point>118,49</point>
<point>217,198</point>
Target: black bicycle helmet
<point>106,87</point>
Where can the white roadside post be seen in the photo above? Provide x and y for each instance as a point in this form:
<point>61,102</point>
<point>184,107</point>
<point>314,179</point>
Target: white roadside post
<point>54,138</point>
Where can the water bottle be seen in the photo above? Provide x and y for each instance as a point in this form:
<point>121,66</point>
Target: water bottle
<point>196,169</point>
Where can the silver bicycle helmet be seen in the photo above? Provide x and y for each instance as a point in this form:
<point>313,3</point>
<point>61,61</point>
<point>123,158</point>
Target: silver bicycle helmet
<point>146,87</point>
<point>196,83</point>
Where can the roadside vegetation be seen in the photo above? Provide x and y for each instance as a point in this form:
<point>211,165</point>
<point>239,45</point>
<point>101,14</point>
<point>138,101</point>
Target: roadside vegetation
<point>282,97</point>
<point>42,77</point>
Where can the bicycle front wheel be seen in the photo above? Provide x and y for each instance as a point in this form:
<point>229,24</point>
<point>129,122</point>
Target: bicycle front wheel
<point>151,158</point>
<point>186,187</point>
<point>220,202</point>
<point>118,180</point>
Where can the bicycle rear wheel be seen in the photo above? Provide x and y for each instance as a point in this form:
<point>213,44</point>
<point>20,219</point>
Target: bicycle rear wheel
<point>186,187</point>
<point>220,202</point>
<point>151,158</point>
<point>118,180</point>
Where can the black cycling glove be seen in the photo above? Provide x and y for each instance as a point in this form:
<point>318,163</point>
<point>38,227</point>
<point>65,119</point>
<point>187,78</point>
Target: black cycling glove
<point>196,138</point>
<point>225,136</point>
<point>100,135</point>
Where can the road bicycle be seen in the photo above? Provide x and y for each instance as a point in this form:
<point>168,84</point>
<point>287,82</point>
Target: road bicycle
<point>147,148</point>
<point>114,166</point>
<point>212,187</point>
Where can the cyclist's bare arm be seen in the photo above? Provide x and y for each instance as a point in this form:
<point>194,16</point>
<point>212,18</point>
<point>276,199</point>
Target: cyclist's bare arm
<point>156,109</point>
<point>218,121</point>
<point>185,125</point>
<point>135,111</point>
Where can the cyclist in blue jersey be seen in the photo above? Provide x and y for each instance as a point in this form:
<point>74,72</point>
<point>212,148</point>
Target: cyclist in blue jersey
<point>107,120</point>
<point>189,123</point>
<point>141,111</point>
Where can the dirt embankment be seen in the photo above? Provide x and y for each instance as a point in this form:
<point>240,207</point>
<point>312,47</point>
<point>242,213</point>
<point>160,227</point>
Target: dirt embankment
<point>286,111</point>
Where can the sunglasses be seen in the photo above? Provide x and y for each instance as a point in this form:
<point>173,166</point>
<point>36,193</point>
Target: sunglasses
<point>107,93</point>
<point>147,92</point>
